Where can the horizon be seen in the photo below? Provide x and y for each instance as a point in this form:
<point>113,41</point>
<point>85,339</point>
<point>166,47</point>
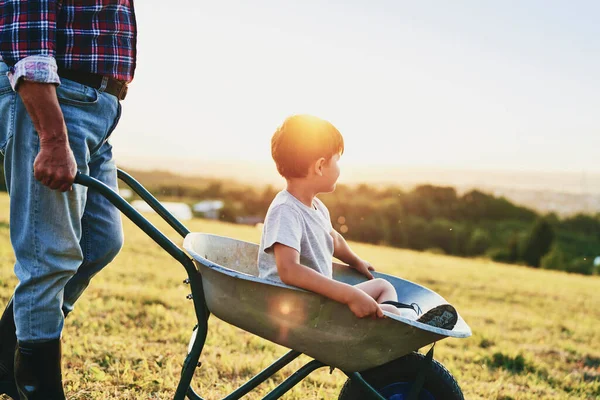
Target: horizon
<point>264,172</point>
<point>467,85</point>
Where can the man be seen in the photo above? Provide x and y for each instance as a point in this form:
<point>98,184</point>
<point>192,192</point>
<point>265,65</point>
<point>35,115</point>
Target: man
<point>64,68</point>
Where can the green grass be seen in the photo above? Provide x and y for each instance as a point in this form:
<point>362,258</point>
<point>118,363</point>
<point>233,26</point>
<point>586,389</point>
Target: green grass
<point>536,333</point>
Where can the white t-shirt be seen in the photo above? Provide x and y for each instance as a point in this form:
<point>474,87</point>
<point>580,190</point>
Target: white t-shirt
<point>305,229</point>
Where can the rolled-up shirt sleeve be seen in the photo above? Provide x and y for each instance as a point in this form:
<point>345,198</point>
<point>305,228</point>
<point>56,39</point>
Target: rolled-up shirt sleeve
<point>36,69</point>
<point>28,40</point>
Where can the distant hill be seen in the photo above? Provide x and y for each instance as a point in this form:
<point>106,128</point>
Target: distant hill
<point>565,193</point>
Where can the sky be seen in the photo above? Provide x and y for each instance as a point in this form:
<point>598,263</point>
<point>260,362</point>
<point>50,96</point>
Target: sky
<point>504,85</point>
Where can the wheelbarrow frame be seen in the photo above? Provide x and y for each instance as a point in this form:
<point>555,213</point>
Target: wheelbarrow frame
<point>194,279</point>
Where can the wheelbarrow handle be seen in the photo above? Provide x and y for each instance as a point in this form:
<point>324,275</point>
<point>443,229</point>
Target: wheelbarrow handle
<point>151,201</point>
<point>115,199</point>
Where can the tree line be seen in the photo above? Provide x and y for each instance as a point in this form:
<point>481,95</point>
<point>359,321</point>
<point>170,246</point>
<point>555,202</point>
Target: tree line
<point>430,218</point>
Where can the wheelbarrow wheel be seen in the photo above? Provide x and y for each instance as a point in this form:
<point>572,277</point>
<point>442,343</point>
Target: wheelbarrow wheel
<point>394,381</point>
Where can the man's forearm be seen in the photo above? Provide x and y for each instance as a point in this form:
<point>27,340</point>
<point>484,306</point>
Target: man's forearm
<point>42,106</point>
<point>55,165</point>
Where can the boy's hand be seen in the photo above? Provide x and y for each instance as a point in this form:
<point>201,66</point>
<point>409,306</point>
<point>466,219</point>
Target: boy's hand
<point>363,305</point>
<point>363,267</point>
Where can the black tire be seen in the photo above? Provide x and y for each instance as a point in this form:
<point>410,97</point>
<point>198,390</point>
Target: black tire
<point>439,382</point>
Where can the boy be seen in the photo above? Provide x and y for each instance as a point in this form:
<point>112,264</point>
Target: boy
<point>298,242</point>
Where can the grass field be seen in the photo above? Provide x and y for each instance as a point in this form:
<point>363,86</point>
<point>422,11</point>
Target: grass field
<point>536,334</point>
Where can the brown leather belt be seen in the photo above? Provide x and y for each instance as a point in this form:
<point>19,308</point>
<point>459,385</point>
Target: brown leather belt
<point>113,86</point>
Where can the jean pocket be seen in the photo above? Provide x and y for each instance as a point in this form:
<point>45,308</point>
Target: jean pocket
<point>4,84</point>
<point>7,108</point>
<point>74,93</point>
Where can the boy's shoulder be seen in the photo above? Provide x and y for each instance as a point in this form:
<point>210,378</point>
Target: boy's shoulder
<point>282,197</point>
<point>284,201</point>
<point>283,208</point>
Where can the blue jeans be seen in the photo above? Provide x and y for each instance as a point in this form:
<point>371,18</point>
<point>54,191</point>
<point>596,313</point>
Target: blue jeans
<point>60,240</point>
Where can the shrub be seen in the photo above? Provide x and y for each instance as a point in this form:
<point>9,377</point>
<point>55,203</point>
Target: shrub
<point>479,242</point>
<point>555,259</point>
<point>538,242</point>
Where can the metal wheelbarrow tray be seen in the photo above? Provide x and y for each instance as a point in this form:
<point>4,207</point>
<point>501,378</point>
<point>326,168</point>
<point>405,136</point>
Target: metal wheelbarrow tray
<point>304,321</point>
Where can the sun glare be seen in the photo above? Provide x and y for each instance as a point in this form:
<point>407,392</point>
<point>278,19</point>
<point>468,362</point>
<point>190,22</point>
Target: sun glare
<point>285,308</point>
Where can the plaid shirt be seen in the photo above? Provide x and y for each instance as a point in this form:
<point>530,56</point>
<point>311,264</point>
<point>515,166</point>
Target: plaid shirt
<point>39,37</point>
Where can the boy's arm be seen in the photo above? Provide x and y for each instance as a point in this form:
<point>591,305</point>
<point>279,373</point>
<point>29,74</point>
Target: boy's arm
<point>293,273</point>
<point>343,252</point>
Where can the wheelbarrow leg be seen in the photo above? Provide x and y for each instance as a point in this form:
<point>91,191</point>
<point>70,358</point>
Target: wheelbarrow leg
<point>191,362</point>
<point>293,380</point>
<point>372,393</point>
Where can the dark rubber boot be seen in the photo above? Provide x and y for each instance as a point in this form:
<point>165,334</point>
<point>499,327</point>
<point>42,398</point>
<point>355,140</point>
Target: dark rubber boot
<point>8,342</point>
<point>38,370</point>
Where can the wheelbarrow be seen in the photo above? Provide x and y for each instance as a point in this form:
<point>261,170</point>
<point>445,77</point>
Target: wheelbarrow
<point>379,356</point>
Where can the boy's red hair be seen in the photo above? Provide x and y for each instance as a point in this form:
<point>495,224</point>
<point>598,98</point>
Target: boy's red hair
<point>302,140</point>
